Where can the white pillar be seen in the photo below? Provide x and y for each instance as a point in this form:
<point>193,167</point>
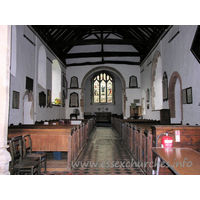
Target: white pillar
<point>5,37</point>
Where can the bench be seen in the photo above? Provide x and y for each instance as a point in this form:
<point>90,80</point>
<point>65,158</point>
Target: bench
<point>118,123</point>
<point>137,139</point>
<point>62,138</point>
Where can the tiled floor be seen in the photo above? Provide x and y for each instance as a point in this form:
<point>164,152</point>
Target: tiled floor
<point>104,155</point>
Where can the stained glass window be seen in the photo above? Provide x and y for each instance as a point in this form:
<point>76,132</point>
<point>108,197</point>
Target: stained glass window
<point>109,92</point>
<point>96,91</point>
<point>103,88</point>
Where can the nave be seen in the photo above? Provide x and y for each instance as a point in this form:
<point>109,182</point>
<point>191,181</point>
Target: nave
<point>103,155</point>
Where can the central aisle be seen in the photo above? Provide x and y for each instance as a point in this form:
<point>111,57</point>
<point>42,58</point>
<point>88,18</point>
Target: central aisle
<point>105,154</point>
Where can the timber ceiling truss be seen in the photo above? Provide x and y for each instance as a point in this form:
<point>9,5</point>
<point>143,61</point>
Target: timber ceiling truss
<point>63,38</point>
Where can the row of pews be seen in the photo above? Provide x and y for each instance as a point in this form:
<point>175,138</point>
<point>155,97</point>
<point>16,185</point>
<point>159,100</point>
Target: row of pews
<point>139,137</point>
<point>66,135</point>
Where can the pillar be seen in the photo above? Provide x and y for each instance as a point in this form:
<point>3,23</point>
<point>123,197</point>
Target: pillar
<point>5,37</point>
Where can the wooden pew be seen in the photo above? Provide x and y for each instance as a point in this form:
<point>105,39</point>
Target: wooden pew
<point>138,141</point>
<point>118,124</point>
<point>51,138</point>
<point>137,138</point>
<point>141,121</point>
<point>64,138</point>
<point>89,123</point>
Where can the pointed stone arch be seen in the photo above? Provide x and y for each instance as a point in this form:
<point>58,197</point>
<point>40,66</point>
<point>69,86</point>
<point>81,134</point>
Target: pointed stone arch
<point>42,68</point>
<point>13,64</point>
<point>56,80</point>
<point>156,79</point>
<point>102,68</point>
<point>172,83</point>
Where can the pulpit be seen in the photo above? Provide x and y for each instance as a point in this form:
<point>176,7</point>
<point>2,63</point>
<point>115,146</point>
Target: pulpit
<point>135,111</point>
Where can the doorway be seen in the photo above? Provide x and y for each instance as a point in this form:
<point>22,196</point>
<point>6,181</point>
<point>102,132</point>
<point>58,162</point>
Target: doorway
<point>28,108</point>
<point>175,98</point>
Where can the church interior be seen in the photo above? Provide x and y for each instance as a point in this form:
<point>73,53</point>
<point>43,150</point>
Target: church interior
<point>100,99</point>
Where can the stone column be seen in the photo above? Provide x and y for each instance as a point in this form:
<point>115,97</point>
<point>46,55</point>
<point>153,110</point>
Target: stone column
<point>5,36</point>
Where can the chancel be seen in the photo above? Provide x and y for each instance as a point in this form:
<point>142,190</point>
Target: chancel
<point>96,94</point>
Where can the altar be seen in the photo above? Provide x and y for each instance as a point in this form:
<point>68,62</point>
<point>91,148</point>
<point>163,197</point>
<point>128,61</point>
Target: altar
<point>103,117</point>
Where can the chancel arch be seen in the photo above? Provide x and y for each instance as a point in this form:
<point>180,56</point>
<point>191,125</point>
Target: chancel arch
<point>115,74</point>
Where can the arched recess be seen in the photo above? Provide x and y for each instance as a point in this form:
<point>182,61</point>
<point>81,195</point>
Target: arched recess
<point>28,109</point>
<point>102,68</point>
<point>13,51</point>
<point>143,102</point>
<point>56,80</point>
<point>156,83</point>
<point>42,68</point>
<point>173,95</point>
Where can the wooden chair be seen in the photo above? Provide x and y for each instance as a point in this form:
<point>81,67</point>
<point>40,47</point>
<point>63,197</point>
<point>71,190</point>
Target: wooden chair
<point>27,145</point>
<point>75,113</point>
<point>18,164</point>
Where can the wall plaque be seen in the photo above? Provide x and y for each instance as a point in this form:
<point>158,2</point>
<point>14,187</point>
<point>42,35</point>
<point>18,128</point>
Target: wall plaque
<point>15,100</point>
<point>42,99</point>
<point>73,100</point>
<point>74,82</point>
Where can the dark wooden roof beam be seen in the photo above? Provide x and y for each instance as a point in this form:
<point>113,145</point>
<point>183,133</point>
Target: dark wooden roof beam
<point>102,41</point>
<point>67,36</point>
<point>65,33</point>
<point>138,34</point>
<point>145,33</point>
<point>135,35</point>
<point>57,34</point>
<point>104,54</point>
<point>61,35</point>
<point>96,35</point>
<point>107,35</point>
<point>104,62</point>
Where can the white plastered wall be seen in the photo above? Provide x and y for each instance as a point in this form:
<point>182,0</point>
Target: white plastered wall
<point>27,64</point>
<point>125,70</point>
<point>176,56</point>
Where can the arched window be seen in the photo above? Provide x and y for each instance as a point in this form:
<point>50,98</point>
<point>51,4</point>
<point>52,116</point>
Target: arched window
<point>165,87</point>
<point>42,68</point>
<point>56,81</point>
<point>103,88</point>
<point>156,83</point>
<point>14,52</point>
